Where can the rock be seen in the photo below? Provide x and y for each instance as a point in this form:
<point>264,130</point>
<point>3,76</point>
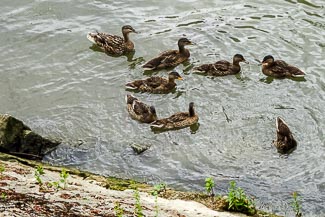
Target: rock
<point>139,148</point>
<point>18,139</point>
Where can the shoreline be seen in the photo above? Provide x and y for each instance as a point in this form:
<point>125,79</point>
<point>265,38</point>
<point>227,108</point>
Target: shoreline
<point>88,194</point>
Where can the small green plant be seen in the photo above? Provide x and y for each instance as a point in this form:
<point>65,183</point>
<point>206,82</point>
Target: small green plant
<point>38,172</point>
<point>3,196</point>
<point>156,206</point>
<point>238,201</point>
<point>63,178</point>
<point>209,185</point>
<point>296,204</point>
<point>2,169</point>
<point>118,210</point>
<point>138,208</point>
<point>158,188</point>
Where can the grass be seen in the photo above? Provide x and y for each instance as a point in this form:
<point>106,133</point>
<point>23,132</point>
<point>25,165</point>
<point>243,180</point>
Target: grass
<point>118,210</point>
<point>138,207</point>
<point>296,204</point>
<point>209,185</point>
<point>38,172</point>
<point>238,201</point>
<point>2,169</point>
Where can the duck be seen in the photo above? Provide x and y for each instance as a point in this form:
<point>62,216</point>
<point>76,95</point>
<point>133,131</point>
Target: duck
<point>170,58</point>
<point>155,84</point>
<point>177,120</point>
<point>139,110</point>
<point>221,67</point>
<point>284,139</point>
<point>113,44</point>
<point>279,68</point>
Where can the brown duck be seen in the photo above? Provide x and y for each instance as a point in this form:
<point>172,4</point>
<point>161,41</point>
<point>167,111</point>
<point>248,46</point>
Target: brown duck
<point>170,58</point>
<point>178,120</point>
<point>155,84</point>
<point>113,44</point>
<point>139,110</point>
<point>279,68</point>
<point>284,139</point>
<point>221,67</point>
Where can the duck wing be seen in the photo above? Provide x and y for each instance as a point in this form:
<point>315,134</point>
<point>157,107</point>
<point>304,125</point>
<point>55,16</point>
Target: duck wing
<point>222,65</point>
<point>164,60</point>
<point>155,81</point>
<point>140,108</point>
<point>109,43</point>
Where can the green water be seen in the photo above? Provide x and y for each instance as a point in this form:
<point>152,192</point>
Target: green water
<point>54,80</point>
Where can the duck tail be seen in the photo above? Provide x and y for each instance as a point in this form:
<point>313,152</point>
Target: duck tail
<point>157,124</point>
<point>201,69</point>
<point>148,66</point>
<point>299,75</point>
<point>130,99</point>
<point>91,37</point>
<point>130,86</point>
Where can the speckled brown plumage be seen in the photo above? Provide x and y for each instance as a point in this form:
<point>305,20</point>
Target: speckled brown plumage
<point>178,120</point>
<point>279,68</point>
<point>139,110</point>
<point>113,44</point>
<point>170,58</point>
<point>222,67</point>
<point>284,139</point>
<point>155,84</point>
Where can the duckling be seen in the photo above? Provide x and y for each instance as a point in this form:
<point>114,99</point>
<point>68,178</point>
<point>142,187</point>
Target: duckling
<point>155,84</point>
<point>178,120</point>
<point>222,67</point>
<point>113,44</point>
<point>170,58</point>
<point>279,68</point>
<point>284,139</point>
<point>139,110</point>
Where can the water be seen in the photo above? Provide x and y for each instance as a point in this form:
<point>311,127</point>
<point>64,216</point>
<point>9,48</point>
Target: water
<point>53,79</point>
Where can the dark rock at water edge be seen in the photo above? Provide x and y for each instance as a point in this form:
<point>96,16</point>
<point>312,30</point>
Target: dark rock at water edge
<point>18,139</point>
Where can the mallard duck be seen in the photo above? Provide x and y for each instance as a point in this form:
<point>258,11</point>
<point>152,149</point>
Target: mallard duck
<point>113,44</point>
<point>279,68</point>
<point>170,58</point>
<point>222,67</point>
<point>178,120</point>
<point>284,139</point>
<point>155,84</point>
<point>139,110</point>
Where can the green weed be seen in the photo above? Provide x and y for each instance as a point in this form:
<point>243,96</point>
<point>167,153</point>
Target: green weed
<point>118,210</point>
<point>296,204</point>
<point>38,172</point>
<point>138,207</point>
<point>209,185</point>
<point>238,201</point>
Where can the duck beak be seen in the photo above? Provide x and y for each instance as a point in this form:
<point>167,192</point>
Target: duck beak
<point>264,64</point>
<point>133,30</point>
<point>180,78</point>
<point>245,61</point>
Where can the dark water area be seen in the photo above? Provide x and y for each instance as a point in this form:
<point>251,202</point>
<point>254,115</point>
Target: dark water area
<point>53,79</point>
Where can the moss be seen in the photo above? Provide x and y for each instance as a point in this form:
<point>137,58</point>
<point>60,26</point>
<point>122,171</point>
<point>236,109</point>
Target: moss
<point>123,184</point>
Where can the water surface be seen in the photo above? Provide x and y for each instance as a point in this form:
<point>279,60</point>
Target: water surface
<point>52,78</point>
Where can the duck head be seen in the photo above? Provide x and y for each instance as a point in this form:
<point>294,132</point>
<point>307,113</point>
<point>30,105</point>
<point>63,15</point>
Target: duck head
<point>174,75</point>
<point>239,58</point>
<point>191,109</point>
<point>127,29</point>
<point>267,60</point>
<point>183,42</point>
